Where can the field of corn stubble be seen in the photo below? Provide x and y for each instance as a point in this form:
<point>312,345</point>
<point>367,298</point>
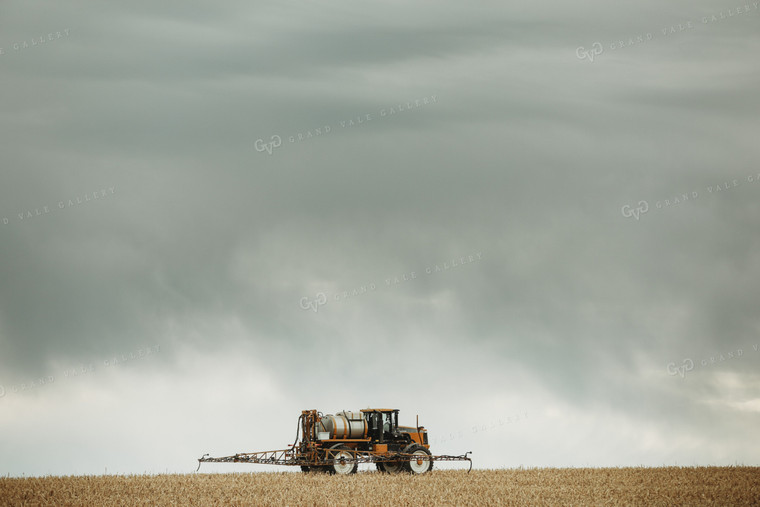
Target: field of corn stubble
<point>545,486</point>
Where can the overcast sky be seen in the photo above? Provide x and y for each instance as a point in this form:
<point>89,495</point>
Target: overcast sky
<point>536,226</point>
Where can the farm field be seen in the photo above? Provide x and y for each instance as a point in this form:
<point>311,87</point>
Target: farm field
<point>544,486</point>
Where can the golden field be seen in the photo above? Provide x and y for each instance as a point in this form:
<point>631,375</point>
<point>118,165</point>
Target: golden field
<point>540,486</point>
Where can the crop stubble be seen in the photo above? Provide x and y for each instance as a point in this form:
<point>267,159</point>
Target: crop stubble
<point>540,486</point>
